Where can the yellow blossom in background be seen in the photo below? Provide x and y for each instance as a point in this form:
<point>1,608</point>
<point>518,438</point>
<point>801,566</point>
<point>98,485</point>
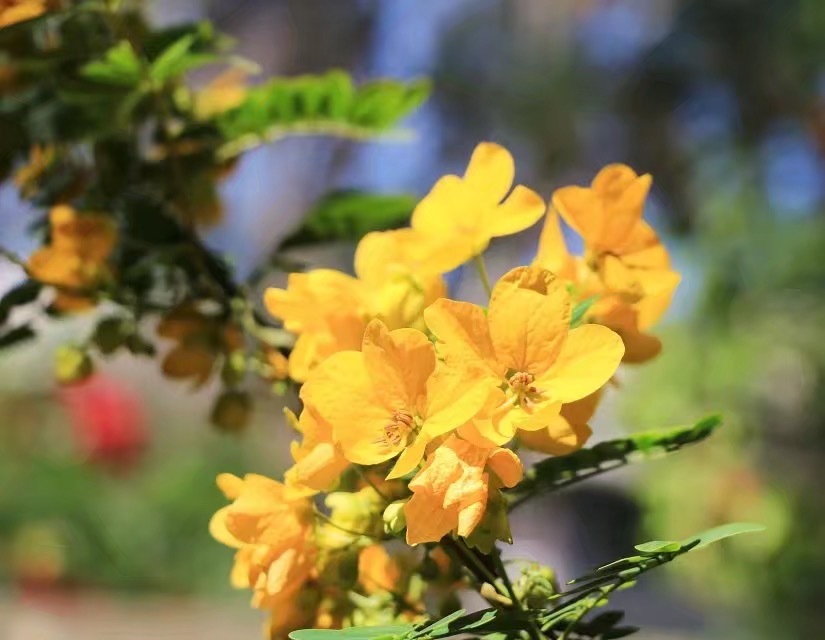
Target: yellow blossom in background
<point>532,362</point>
<point>378,570</point>
<point>41,158</point>
<point>201,340</point>
<point>271,526</point>
<point>390,398</point>
<point>76,258</point>
<point>325,309</point>
<point>319,462</point>
<point>225,92</point>
<point>620,247</point>
<point>278,364</point>
<point>395,269</point>
<point>629,309</point>
<point>460,215</point>
<point>14,11</point>
<point>451,491</point>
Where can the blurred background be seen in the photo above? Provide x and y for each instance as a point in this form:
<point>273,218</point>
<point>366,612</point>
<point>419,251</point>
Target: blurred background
<point>106,488</point>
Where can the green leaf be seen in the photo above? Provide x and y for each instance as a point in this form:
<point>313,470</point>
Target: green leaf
<point>558,472</point>
<point>440,627</point>
<point>581,309</point>
<point>20,295</point>
<point>120,66</point>
<point>326,104</point>
<point>710,536</point>
<point>485,618</point>
<point>16,336</point>
<point>178,58</point>
<point>350,215</point>
<point>594,589</point>
<point>658,546</point>
<point>354,633</point>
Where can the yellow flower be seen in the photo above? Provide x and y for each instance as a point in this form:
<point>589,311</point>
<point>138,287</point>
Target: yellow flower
<point>325,309</point>
<point>319,462</point>
<point>461,215</point>
<point>389,398</point>
<point>378,570</point>
<point>621,247</point>
<point>531,360</point>
<point>201,340</point>
<point>565,433</point>
<point>14,11</point>
<point>398,281</point>
<point>631,316</point>
<point>293,613</point>
<point>76,257</point>
<point>451,491</point>
<point>278,364</point>
<point>225,92</point>
<point>271,526</point>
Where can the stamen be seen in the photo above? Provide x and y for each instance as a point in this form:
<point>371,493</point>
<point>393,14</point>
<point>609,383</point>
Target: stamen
<point>397,430</point>
<point>525,393</point>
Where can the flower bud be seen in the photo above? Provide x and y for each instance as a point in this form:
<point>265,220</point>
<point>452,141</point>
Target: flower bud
<point>72,364</point>
<point>394,519</point>
<point>232,411</point>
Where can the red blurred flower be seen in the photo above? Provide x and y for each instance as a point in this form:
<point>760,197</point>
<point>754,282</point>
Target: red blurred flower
<point>108,420</point>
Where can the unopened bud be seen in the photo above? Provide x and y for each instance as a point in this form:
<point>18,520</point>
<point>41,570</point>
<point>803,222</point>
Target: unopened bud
<point>72,364</point>
<point>395,521</point>
<point>232,411</point>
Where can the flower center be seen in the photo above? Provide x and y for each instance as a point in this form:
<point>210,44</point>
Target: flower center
<point>525,393</point>
<point>398,429</point>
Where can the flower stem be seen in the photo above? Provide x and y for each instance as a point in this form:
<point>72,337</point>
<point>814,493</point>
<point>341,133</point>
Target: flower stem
<point>481,267</point>
<point>534,631</point>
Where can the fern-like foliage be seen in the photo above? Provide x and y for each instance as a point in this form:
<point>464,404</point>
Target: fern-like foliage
<point>327,104</point>
<point>556,473</point>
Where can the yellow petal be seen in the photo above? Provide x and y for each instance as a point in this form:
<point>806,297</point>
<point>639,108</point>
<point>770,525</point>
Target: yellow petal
<point>558,438</point>
<point>230,485</point>
<point>427,519</point>
<point>454,396</point>
<point>379,251</point>
<point>342,393</point>
<point>463,335</point>
<point>398,363</point>
<point>410,457</point>
<point>507,466</point>
<point>652,307</point>
<point>303,357</point>
<point>522,209</point>
<point>625,319</point>
<point>482,431</point>
<point>552,253</point>
<point>219,530</point>
<point>529,319</point>
<point>587,360</point>
<point>454,211</point>
<point>320,469</point>
<point>471,514</point>
<point>623,194</point>
<point>311,297</point>
<point>491,171</point>
<point>509,420</point>
<point>582,209</point>
<point>239,577</point>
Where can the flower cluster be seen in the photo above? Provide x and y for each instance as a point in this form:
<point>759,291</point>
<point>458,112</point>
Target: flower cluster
<point>415,405</point>
<point>75,260</point>
<point>14,11</point>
